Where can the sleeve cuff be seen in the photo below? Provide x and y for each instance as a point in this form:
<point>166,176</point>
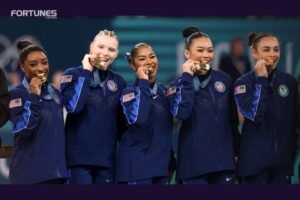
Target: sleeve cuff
<point>143,83</point>
<point>262,81</point>
<point>34,98</point>
<point>187,77</point>
<point>87,74</point>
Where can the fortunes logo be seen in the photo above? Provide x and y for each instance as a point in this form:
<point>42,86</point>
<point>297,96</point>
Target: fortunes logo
<point>48,14</point>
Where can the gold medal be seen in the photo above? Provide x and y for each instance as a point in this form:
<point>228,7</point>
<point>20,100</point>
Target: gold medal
<point>269,63</point>
<point>98,63</point>
<point>200,66</point>
<point>42,76</point>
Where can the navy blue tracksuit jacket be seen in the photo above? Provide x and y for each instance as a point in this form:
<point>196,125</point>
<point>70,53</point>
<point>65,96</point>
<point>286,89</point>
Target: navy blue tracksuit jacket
<point>145,148</point>
<point>209,124</point>
<point>39,137</point>
<point>268,135</point>
<point>94,116</point>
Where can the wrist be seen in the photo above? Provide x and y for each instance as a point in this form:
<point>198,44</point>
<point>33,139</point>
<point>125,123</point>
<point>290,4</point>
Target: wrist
<point>88,69</point>
<point>189,72</point>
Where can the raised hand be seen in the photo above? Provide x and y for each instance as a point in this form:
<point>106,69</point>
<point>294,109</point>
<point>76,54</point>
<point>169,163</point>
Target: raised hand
<point>189,67</point>
<point>260,69</point>
<point>86,62</point>
<point>142,73</point>
<point>35,85</point>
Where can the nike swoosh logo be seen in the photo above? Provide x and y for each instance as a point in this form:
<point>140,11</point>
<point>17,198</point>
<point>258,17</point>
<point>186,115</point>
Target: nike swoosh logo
<point>155,97</point>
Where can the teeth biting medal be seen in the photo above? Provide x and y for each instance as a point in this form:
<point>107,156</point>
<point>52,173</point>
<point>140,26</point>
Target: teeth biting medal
<point>42,76</point>
<point>98,63</point>
<point>202,66</point>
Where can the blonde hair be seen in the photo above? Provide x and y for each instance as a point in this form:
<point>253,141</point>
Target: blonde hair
<point>107,33</point>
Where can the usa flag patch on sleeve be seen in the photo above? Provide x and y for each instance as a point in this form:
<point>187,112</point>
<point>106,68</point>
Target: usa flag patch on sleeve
<point>240,89</point>
<point>15,103</point>
<point>66,79</point>
<point>128,97</point>
<point>171,90</point>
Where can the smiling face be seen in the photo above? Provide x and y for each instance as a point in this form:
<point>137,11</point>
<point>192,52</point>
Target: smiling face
<point>267,49</point>
<point>145,56</point>
<point>201,50</point>
<point>105,47</point>
<point>35,64</point>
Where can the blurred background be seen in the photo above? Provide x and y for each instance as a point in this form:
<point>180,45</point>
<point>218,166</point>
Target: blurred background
<point>67,39</point>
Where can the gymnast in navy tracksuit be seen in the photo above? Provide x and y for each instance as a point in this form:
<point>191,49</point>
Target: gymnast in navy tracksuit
<point>145,148</point>
<point>91,95</point>
<point>38,126</point>
<point>203,100</point>
<point>267,97</point>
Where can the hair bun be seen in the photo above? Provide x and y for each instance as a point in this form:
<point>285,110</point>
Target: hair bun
<point>23,44</point>
<point>190,30</point>
<point>251,37</point>
<point>127,56</point>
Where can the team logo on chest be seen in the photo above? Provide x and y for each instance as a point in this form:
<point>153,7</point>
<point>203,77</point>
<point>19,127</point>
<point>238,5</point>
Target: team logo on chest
<point>112,86</point>
<point>220,86</point>
<point>283,90</point>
